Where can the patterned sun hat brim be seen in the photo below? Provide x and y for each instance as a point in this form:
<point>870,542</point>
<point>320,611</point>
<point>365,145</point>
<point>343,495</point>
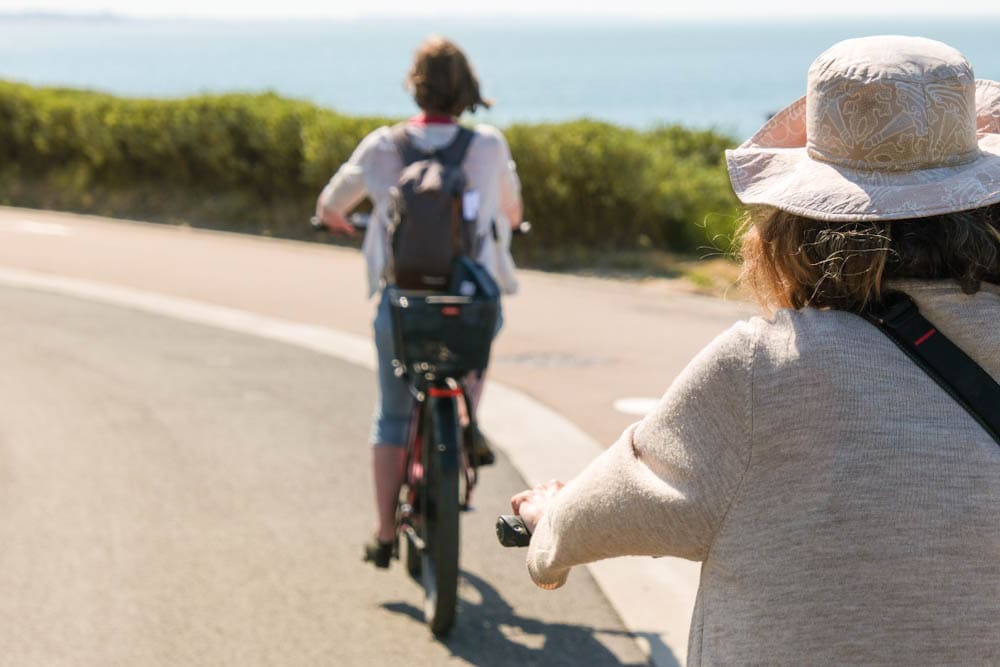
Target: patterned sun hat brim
<point>773,168</point>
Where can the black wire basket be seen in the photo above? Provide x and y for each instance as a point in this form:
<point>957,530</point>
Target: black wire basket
<point>442,335</point>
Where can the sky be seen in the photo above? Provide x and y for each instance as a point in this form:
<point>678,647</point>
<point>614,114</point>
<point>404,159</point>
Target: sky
<point>340,9</point>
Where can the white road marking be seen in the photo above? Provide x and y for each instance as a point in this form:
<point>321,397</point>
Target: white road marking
<point>636,405</point>
<point>654,598</point>
<point>40,228</point>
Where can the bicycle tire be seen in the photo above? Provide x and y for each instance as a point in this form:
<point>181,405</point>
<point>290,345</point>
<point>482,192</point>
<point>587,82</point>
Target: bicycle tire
<point>414,561</point>
<point>439,560</point>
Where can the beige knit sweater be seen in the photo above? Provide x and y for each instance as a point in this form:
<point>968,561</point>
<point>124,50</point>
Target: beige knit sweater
<point>844,508</point>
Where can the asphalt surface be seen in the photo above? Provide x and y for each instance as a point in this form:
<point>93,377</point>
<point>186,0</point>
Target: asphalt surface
<point>570,349</point>
<point>174,494</point>
<point>576,344</point>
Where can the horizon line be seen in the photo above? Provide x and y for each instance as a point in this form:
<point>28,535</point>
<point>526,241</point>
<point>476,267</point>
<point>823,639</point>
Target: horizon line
<point>357,17</point>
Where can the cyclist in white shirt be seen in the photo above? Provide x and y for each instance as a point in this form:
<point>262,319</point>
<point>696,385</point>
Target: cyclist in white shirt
<point>444,86</point>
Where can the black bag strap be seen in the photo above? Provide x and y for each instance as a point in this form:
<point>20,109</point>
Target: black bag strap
<point>963,379</point>
<point>454,153</point>
<point>404,146</point>
<point>451,155</point>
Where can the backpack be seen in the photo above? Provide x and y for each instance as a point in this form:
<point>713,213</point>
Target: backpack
<point>427,229</point>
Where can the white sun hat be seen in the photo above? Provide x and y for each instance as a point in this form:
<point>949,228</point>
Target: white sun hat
<point>890,128</point>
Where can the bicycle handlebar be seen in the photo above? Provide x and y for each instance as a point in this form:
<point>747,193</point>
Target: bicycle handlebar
<point>511,531</point>
<point>360,222</point>
<point>357,220</point>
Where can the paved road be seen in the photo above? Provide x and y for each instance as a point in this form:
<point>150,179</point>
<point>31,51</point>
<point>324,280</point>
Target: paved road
<point>574,344</point>
<point>174,494</point>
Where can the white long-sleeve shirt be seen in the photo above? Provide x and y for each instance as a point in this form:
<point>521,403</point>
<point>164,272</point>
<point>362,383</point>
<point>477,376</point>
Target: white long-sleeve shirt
<point>375,166</point>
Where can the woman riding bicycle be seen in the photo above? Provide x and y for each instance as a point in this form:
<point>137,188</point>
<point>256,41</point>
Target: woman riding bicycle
<point>845,508</point>
<point>444,86</point>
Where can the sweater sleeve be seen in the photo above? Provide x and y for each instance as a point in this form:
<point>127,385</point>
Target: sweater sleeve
<point>347,187</point>
<point>664,488</point>
<point>508,183</point>
<point>510,186</point>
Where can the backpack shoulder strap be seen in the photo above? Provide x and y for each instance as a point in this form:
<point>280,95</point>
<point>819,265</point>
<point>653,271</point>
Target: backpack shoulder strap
<point>408,153</point>
<point>453,154</point>
<point>962,378</point>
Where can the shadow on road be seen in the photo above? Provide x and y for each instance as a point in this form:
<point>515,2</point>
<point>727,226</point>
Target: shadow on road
<point>490,634</point>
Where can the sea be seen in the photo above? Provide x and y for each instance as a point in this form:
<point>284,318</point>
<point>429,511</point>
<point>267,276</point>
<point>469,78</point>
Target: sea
<point>725,75</point>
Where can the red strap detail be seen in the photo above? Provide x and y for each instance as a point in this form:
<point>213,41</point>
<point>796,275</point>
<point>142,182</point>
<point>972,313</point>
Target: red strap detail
<point>451,311</point>
<point>432,119</point>
<point>438,392</point>
<point>924,338</point>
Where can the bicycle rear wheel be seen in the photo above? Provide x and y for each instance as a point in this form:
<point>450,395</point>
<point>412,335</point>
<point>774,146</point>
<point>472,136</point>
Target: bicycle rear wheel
<point>414,561</point>
<point>439,562</point>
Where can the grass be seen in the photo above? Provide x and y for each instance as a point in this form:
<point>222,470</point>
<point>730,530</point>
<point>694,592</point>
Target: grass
<point>714,274</point>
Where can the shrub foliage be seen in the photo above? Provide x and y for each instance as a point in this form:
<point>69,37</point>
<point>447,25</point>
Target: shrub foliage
<point>255,163</point>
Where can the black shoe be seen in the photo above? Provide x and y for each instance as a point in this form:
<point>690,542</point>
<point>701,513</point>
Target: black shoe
<point>379,553</point>
<point>478,447</point>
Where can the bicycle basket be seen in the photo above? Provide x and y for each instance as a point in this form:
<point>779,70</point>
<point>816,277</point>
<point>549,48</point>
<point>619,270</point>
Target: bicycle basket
<point>441,334</point>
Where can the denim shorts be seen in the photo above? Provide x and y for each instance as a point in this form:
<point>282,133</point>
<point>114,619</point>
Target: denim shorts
<point>394,405</point>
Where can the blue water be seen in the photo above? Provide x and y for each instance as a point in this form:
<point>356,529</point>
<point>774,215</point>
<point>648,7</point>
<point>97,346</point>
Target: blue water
<point>726,76</point>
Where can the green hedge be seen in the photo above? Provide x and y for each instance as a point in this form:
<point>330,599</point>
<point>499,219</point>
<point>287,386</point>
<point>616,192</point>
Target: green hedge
<point>255,163</point>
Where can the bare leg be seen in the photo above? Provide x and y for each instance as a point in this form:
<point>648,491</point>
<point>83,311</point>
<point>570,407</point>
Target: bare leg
<point>475,443</point>
<point>388,464</point>
<point>474,386</point>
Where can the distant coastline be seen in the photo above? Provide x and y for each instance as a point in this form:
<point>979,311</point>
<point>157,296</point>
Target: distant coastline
<point>549,21</point>
<point>726,75</point>
<point>64,16</point>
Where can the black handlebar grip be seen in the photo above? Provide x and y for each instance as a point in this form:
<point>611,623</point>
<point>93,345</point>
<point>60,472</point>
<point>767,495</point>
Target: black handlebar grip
<point>511,531</point>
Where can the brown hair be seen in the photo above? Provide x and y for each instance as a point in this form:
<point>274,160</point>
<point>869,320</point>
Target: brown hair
<point>791,261</point>
<point>441,79</point>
